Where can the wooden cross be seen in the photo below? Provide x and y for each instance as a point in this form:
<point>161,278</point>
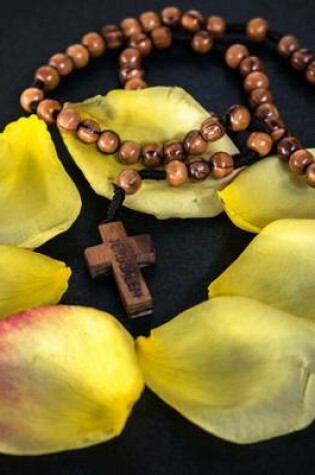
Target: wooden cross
<point>123,256</point>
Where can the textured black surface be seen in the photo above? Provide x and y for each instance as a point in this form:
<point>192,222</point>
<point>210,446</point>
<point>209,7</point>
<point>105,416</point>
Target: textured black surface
<point>190,253</point>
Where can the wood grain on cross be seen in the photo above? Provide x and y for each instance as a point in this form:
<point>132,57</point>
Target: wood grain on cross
<point>124,256</point>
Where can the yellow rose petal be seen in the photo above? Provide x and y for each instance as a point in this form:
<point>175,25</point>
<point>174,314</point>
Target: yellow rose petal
<point>68,379</point>
<point>155,114</point>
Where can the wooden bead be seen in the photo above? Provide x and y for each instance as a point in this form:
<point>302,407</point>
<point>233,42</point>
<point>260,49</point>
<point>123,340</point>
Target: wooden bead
<point>194,144</point>
<point>108,142</point>
<point>212,130</point>
<point>152,155</point>
<point>32,94</point>
<point>129,152</point>
<point>235,54</point>
<point>256,80</point>
<point>250,64</point>
<point>239,118</point>
<point>171,16</point>
<point>113,36</point>
<point>267,111</point>
<point>287,45</point>
<point>129,180</point>
<point>310,175</point>
<point>310,73</point>
<point>176,173</point>
<point>149,21</point>
<point>276,127</point>
<point>135,84</point>
<point>89,131</point>
<point>162,37</point>
<point>79,55</point>
<point>301,58</point>
<point>49,76</point>
<point>300,160</point>
<point>198,169</point>
<point>192,20</point>
<point>202,42</point>
<point>142,43</point>
<point>94,43</point>
<point>68,120</point>
<point>257,29</point>
<point>260,96</point>
<point>174,150</point>
<point>62,63</point>
<point>260,142</point>
<point>216,25</point>
<point>48,109</point>
<point>287,146</point>
<point>130,27</point>
<point>221,164</point>
<point>125,74</point>
<point>130,58</point>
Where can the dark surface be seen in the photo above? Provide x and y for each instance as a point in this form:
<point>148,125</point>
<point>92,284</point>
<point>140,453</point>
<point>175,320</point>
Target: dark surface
<point>191,253</point>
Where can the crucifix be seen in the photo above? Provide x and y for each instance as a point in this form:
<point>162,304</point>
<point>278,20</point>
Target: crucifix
<point>124,256</point>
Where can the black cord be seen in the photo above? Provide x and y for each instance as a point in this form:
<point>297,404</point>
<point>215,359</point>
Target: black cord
<point>249,157</point>
<point>152,174</point>
<point>116,204</point>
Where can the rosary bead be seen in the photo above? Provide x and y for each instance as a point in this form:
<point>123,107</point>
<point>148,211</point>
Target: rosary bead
<point>194,144</point>
<point>174,150</point>
<point>260,96</point>
<point>130,58</point>
<point>32,94</point>
<point>108,142</point>
<point>300,160</point>
<point>276,127</point>
<point>202,42</point>
<point>287,45</point>
<point>216,25</point>
<point>129,152</point>
<point>287,146</point>
<point>162,37</point>
<point>152,155</point>
<point>310,175</point>
<point>212,129</point>
<point>250,64</point>
<point>142,43</point>
<point>79,55</point>
<point>176,173</point>
<point>257,29</point>
<point>94,44</point>
<point>198,169</point>
<point>68,120</point>
<point>221,164</point>
<point>48,109</point>
<point>239,118</point>
<point>150,21</point>
<point>171,16</point>
<point>310,73</point>
<point>49,76</point>
<point>135,84</point>
<point>301,58</point>
<point>130,27</point>
<point>235,54</point>
<point>89,131</point>
<point>192,20</point>
<point>129,180</point>
<point>256,80</point>
<point>267,111</point>
<point>260,142</point>
<point>125,74</point>
<point>62,63</point>
<point>113,36</point>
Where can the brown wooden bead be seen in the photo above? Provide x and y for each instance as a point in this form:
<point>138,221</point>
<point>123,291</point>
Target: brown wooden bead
<point>260,142</point>
<point>149,21</point>
<point>48,109</point>
<point>198,169</point>
<point>221,164</point>
<point>250,64</point>
<point>287,45</point>
<point>276,127</point>
<point>162,37</point>
<point>32,94</point>
<point>192,20</point>
<point>300,160</point>
<point>212,130</point>
<point>130,58</point>
<point>301,58</point>
<point>287,146</point>
<point>310,73</point>
<point>235,54</point>
<point>89,131</point>
<point>129,152</point>
<point>142,43</point>
<point>79,55</point>
<point>113,36</point>
<point>130,27</point>
<point>129,180</point>
<point>49,76</point>
<point>152,155</point>
<point>216,25</point>
<point>174,150</point>
<point>125,74</point>
<point>256,80</point>
<point>176,173</point>
<point>194,144</point>
<point>257,29</point>
<point>310,175</point>
<point>260,96</point>
<point>135,84</point>
<point>171,16</point>
<point>68,120</point>
<point>267,111</point>
<point>239,118</point>
<point>94,43</point>
<point>108,142</point>
<point>202,42</point>
<point>62,63</point>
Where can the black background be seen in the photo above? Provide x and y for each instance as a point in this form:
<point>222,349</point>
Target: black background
<point>191,253</point>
